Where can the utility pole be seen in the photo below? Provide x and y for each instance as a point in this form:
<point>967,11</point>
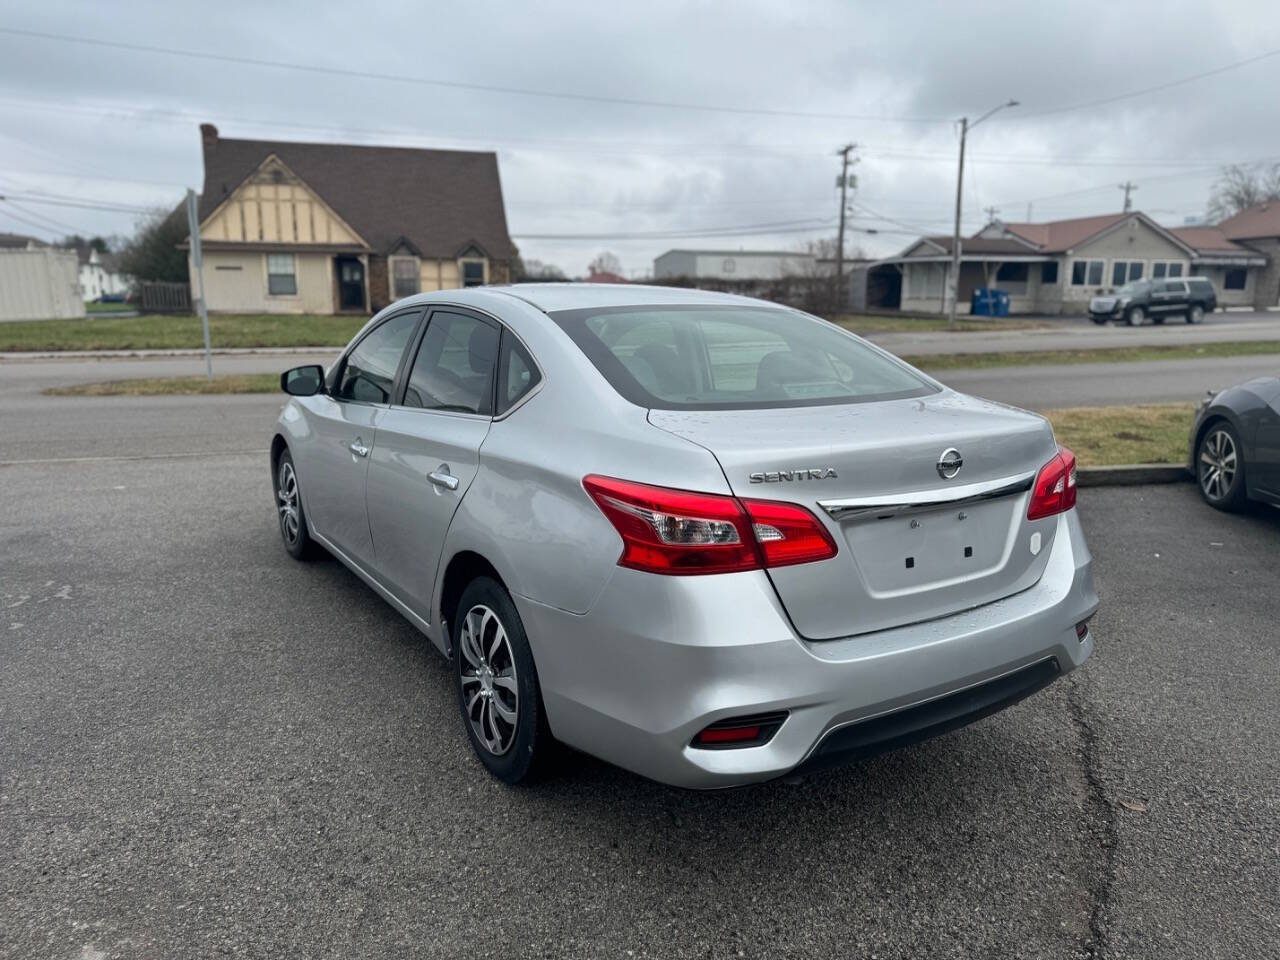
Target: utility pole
<point>844,182</point>
<point>197,260</point>
<point>1127,186</point>
<point>953,282</point>
<point>991,213</point>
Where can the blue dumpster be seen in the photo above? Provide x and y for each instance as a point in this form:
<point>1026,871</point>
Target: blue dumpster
<point>989,302</point>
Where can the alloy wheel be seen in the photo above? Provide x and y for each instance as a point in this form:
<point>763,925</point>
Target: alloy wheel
<point>287,494</point>
<point>1196,315</point>
<point>1136,316</point>
<point>1218,464</point>
<point>490,691</point>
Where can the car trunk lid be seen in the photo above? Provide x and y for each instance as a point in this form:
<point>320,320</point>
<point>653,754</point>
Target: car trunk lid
<point>916,540</point>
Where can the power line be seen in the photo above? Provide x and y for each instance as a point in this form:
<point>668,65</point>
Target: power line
<point>1145,90</point>
<point>92,205</point>
<point>453,84</point>
<point>55,224</point>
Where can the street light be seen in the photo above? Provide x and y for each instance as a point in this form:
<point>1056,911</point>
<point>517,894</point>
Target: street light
<point>954,279</point>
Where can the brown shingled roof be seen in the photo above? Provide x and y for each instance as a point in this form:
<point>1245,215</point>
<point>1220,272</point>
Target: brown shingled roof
<point>440,200</point>
<point>976,245</point>
<point>1209,240</point>
<point>1260,220</point>
<point>1059,235</point>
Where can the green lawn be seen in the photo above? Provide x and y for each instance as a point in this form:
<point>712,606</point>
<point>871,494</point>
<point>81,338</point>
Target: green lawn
<point>858,323</point>
<point>173,386</point>
<point>109,308</point>
<point>1018,358</point>
<point>1108,436</point>
<point>166,331</point>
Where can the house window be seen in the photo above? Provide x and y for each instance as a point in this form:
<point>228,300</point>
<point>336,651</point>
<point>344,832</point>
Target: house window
<point>405,275</point>
<point>1125,271</point>
<point>473,273</point>
<point>1012,273</point>
<point>282,278</point>
<point>1166,268</point>
<point>1087,273</point>
<point>1049,272</point>
<point>1235,279</point>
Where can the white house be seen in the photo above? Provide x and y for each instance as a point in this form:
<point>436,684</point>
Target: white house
<point>100,275</point>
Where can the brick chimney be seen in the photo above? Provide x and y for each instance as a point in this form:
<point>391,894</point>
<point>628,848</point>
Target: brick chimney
<point>208,134</point>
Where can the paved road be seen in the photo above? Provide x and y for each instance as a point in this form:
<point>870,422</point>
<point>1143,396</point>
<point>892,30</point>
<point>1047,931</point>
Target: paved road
<point>208,749</point>
<point>33,426</point>
<point>1077,333</point>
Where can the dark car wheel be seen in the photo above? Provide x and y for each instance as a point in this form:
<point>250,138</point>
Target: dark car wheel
<point>1195,314</point>
<point>293,519</point>
<point>1220,467</point>
<point>1099,320</point>
<point>1135,316</point>
<point>497,683</point>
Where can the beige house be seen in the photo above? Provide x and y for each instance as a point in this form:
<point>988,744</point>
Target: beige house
<point>1056,267</point>
<point>332,228</point>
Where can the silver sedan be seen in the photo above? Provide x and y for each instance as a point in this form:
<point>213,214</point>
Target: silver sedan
<point>708,539</point>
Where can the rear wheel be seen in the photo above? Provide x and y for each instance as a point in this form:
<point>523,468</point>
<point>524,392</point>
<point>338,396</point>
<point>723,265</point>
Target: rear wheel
<point>293,519</point>
<point>497,683</point>
<point>1195,314</point>
<point>1136,316</point>
<point>1220,467</point>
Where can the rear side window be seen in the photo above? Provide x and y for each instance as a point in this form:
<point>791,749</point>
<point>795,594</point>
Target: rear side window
<point>733,358</point>
<point>370,370</point>
<point>454,366</point>
<point>517,373</point>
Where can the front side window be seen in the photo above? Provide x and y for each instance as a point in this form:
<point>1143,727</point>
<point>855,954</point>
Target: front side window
<point>370,371</point>
<point>473,273</point>
<point>282,278</point>
<point>454,366</point>
<point>404,276</point>
<point>733,358</point>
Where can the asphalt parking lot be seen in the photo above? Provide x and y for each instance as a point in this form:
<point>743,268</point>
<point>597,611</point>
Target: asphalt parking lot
<point>207,749</point>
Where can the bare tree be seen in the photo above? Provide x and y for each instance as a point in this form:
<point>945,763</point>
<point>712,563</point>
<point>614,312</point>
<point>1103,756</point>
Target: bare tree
<point>1240,187</point>
<point>606,262</point>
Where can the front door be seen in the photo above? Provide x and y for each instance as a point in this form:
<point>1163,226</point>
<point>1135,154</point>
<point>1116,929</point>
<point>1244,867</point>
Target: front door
<point>428,451</point>
<point>344,428</point>
<point>350,283</point>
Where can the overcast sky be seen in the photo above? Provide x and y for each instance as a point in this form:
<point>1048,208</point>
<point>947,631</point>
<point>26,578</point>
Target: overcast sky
<point>119,128</point>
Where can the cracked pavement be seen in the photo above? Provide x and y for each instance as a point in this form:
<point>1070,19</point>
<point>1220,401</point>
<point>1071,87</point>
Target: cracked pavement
<point>207,749</point>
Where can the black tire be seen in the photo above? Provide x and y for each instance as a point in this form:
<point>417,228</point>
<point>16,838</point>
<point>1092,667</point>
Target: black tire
<point>1227,492</point>
<point>1195,314</point>
<point>293,529</point>
<point>1098,320</point>
<point>530,743</point>
<point>1135,316</point>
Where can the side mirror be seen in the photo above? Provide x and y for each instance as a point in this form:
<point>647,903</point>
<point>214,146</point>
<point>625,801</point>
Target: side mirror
<point>303,381</point>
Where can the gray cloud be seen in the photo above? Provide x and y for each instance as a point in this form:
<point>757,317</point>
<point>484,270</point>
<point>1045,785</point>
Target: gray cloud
<point>84,120</point>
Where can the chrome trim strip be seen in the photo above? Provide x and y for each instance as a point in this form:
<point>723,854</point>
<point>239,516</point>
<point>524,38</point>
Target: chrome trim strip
<point>866,508</point>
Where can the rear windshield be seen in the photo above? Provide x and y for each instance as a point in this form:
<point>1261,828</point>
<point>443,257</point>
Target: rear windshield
<point>733,358</point>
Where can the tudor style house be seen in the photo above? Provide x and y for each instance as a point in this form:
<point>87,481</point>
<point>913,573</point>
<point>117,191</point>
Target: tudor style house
<point>332,228</point>
<point>1056,267</point>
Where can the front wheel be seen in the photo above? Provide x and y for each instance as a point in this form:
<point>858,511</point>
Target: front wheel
<point>1195,314</point>
<point>1098,320</point>
<point>293,519</point>
<point>1220,467</point>
<point>498,691</point>
<point>1136,316</point>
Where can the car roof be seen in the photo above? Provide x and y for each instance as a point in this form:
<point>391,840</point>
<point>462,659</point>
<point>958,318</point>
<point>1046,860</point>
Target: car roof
<point>550,297</point>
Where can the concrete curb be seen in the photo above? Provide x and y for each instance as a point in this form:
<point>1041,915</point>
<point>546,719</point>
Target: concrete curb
<point>1132,474</point>
<point>144,354</point>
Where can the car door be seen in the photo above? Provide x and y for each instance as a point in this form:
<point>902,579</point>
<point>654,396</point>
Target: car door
<point>343,423</point>
<point>1266,445</point>
<point>1170,297</point>
<point>428,449</point>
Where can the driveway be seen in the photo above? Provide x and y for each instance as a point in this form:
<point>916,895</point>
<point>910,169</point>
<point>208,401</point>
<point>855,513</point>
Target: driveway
<point>209,749</point>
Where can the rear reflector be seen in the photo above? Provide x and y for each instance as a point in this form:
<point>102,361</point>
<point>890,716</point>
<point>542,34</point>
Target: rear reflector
<point>683,532</point>
<point>1055,487</point>
<point>750,731</point>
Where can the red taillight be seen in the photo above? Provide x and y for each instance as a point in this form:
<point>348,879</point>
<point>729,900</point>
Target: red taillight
<point>1055,487</point>
<point>682,532</point>
<point>731,735</point>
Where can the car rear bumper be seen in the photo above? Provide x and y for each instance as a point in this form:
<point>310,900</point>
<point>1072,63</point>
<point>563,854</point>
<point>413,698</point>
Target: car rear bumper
<point>657,659</point>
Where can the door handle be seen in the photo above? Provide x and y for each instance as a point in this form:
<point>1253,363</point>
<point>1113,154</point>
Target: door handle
<point>358,448</point>
<point>443,478</point>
